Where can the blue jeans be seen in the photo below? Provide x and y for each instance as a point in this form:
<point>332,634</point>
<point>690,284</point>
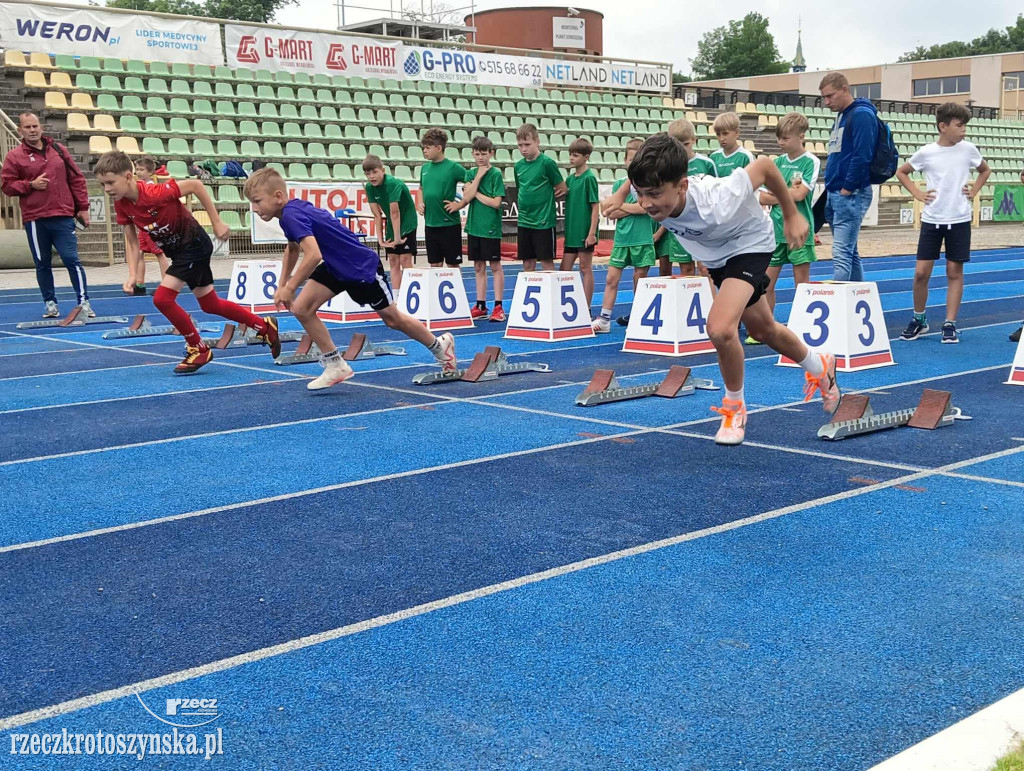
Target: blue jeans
<point>45,234</point>
<point>844,214</point>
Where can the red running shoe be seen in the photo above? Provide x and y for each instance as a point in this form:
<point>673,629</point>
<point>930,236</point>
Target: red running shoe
<point>477,312</point>
<point>270,337</point>
<point>195,357</point>
<point>498,314</point>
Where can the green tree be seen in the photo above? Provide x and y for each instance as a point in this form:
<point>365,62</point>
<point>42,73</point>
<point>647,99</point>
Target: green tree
<point>678,77</point>
<point>741,48</point>
<point>240,10</point>
<point>992,42</point>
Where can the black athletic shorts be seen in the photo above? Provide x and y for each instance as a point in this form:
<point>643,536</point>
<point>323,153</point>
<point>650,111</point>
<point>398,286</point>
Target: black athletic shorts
<point>748,267</point>
<point>196,273</point>
<point>376,294</point>
<point>537,244</point>
<point>957,238</point>
<point>484,249</point>
<point>444,244</point>
<point>409,247</point>
<point>576,249</point>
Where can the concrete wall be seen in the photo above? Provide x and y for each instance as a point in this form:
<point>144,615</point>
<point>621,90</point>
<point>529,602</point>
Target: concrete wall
<point>532,28</point>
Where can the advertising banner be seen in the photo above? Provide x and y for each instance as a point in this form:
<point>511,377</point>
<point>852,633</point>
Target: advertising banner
<point>1008,203</point>
<point>91,32</point>
<point>331,196</point>
<point>311,52</point>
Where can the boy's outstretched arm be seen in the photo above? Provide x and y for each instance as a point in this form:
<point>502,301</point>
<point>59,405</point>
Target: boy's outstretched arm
<point>763,172</point>
<point>615,200</point>
<point>198,189</point>
<point>291,256</point>
<point>311,257</point>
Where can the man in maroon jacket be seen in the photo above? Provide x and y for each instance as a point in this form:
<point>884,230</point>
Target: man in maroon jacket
<point>53,195</point>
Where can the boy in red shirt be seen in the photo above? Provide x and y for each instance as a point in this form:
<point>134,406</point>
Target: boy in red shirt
<point>158,210</point>
<point>145,170</point>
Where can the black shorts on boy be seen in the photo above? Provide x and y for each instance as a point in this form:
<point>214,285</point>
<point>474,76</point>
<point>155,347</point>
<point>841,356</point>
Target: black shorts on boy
<point>484,249</point>
<point>376,294</point>
<point>750,267</point>
<point>536,244</point>
<point>444,244</point>
<point>957,238</point>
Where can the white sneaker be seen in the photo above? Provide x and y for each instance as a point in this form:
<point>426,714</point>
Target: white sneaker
<point>87,309</point>
<point>734,422</point>
<point>602,325</point>
<point>50,310</point>
<point>446,357</point>
<point>334,373</point>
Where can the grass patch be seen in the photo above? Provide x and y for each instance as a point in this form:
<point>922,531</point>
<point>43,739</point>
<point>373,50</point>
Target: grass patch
<point>1012,762</point>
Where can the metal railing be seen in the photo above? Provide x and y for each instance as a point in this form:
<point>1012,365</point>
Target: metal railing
<point>10,207</point>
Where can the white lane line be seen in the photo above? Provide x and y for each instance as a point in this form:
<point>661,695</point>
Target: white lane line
<point>85,702</point>
<point>36,353</point>
<point>82,371</point>
<point>973,744</point>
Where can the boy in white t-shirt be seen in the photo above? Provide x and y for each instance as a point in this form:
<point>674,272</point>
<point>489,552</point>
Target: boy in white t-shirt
<point>722,221</point>
<point>947,165</point>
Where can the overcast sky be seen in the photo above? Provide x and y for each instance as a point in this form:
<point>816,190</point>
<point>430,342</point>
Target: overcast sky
<point>840,33</point>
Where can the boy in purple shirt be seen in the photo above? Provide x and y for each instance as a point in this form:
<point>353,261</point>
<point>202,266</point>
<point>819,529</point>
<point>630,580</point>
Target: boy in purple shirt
<point>334,261</point>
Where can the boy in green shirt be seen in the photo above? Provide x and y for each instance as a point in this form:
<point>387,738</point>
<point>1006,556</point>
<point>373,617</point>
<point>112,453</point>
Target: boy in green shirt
<point>732,154</point>
<point>538,184</point>
<point>634,245</point>
<point>483,192</point>
<point>386,193</point>
<point>667,246</point>
<point>800,170</point>
<point>439,181</point>
<point>582,212</point>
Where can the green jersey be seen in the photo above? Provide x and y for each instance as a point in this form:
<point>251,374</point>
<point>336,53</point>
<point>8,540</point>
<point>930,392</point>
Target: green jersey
<point>701,165</point>
<point>390,191</point>
<point>535,190</point>
<point>633,229</point>
<point>579,203</point>
<point>482,220</point>
<point>807,166</point>
<point>439,181</point>
<point>727,164</point>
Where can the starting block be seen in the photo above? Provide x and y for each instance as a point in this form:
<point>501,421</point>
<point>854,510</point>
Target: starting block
<point>140,327</point>
<point>243,335</point>
<point>306,353</point>
<point>72,320</point>
<point>485,366</point>
<point>604,388</point>
<point>855,416</point>
<point>359,348</point>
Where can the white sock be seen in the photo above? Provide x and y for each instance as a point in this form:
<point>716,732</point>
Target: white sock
<point>812,363</point>
<point>735,396</point>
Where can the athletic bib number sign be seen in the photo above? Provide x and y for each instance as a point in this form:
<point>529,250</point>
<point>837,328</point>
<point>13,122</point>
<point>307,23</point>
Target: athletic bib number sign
<point>669,317</point>
<point>843,318</point>
<point>435,296</point>
<point>1017,369</point>
<point>549,305</point>
<point>344,309</point>
<point>253,285</point>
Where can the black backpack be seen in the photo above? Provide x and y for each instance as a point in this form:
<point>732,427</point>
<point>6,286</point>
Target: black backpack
<point>886,157</point>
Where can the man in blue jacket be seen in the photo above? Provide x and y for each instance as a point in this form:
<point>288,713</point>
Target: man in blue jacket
<point>850,151</point>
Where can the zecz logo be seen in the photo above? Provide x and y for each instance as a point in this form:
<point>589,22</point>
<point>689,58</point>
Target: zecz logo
<point>336,57</point>
<point>247,50</point>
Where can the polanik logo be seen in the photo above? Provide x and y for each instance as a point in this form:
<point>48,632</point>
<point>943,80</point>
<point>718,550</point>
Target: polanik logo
<point>190,712</point>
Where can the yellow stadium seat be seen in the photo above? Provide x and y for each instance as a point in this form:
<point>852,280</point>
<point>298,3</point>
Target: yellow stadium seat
<point>886,191</point>
<point>80,101</point>
<point>39,59</point>
<point>128,145</point>
<point>105,123</point>
<point>667,101</point>
<point>749,144</point>
<point>691,116</point>
<point>54,100</point>
<point>34,79</point>
<point>819,148</point>
<point>202,218</point>
<point>679,104</point>
<point>702,117</point>
<point>99,145</point>
<point>78,122</point>
<point>60,80</point>
<point>762,121</point>
<point>773,120</point>
<point>14,59</point>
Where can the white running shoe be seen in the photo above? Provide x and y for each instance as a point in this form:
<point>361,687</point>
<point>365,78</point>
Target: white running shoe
<point>334,373</point>
<point>87,309</point>
<point>50,310</point>
<point>601,325</point>
<point>734,422</point>
<point>446,356</point>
